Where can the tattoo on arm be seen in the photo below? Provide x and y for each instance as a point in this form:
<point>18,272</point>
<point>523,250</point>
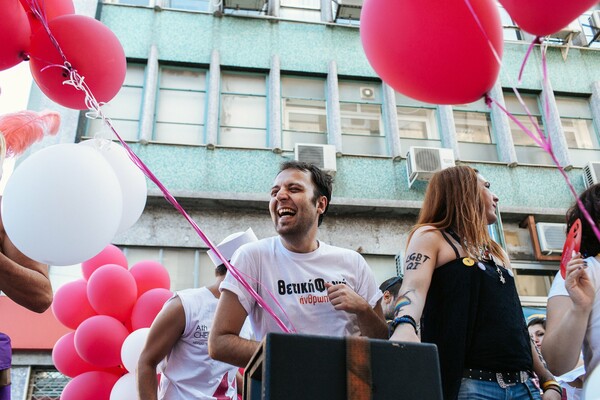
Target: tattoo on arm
<point>402,301</point>
<point>415,259</point>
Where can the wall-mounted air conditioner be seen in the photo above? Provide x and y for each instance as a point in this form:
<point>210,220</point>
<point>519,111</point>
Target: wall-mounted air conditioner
<point>348,9</point>
<point>255,5</point>
<point>552,237</point>
<point>423,162</point>
<point>591,174</point>
<point>574,28</point>
<point>321,155</point>
<point>595,20</point>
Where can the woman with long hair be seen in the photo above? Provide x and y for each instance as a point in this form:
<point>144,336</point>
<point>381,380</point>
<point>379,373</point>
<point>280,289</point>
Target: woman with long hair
<point>459,284</point>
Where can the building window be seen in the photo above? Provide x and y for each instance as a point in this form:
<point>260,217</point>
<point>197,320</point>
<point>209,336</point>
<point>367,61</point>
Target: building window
<point>362,125</point>
<point>525,147</point>
<point>301,10</point>
<point>346,14</point>
<point>180,107</point>
<point>124,109</point>
<point>417,123</point>
<point>510,30</point>
<point>243,119</point>
<point>46,384</point>
<point>188,268</point>
<point>194,5</point>
<point>131,2</point>
<point>304,115</point>
<point>576,120</point>
<point>474,131</point>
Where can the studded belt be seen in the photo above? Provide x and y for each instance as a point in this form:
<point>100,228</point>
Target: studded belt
<point>504,379</point>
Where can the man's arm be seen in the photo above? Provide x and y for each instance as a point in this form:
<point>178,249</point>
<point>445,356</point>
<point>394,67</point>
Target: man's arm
<point>370,320</point>
<point>165,331</point>
<point>224,341</point>
<point>25,281</point>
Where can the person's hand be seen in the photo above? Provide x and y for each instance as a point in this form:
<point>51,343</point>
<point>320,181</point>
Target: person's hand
<point>551,395</point>
<point>343,298</point>
<point>578,284</point>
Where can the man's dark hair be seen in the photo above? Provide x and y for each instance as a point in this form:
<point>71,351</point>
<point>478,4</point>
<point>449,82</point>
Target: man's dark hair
<point>323,181</point>
<point>221,270</point>
<point>590,246</point>
<point>392,285</point>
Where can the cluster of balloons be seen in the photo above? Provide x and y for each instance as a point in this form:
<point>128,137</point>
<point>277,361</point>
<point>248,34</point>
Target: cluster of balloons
<point>448,52</point>
<point>89,46</point>
<point>84,195</point>
<point>110,310</point>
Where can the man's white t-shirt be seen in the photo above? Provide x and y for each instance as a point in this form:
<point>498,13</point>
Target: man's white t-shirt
<point>591,341</point>
<point>293,285</point>
<point>189,373</point>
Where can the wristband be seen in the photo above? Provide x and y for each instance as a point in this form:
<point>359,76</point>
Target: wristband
<point>550,382</point>
<point>558,389</point>
<point>405,319</point>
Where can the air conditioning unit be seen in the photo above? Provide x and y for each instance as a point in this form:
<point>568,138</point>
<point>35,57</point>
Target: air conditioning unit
<point>595,20</point>
<point>591,174</point>
<point>254,5</point>
<point>321,155</point>
<point>552,237</point>
<point>574,28</point>
<point>423,162</point>
<point>348,9</point>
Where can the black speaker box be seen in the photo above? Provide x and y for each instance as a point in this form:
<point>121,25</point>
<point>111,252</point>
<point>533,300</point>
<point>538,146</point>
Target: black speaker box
<point>303,367</point>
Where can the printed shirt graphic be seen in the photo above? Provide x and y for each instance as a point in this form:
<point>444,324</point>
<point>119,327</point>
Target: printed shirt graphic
<point>297,281</point>
<point>189,373</point>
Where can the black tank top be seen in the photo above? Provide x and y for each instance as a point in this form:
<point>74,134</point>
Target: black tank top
<point>475,320</point>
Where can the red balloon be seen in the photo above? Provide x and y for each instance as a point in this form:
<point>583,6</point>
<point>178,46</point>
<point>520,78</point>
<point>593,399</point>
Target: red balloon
<point>94,385</point>
<point>112,291</point>
<point>433,51</point>
<point>110,255</point>
<point>150,275</point>
<point>70,305</point>
<point>98,341</point>
<point>50,9</point>
<point>66,359</point>
<point>15,33</point>
<point>148,306</point>
<point>543,17</point>
<point>90,47</point>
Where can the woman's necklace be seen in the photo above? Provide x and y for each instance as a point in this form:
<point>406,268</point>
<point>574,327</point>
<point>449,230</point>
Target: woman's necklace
<point>483,255</point>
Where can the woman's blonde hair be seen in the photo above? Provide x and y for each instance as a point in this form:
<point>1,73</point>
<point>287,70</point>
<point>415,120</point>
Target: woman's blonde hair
<point>454,201</point>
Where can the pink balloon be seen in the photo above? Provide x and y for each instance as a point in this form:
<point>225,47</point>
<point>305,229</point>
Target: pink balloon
<point>543,17</point>
<point>150,275</point>
<point>98,341</point>
<point>50,10</point>
<point>66,359</point>
<point>94,385</point>
<point>110,255</point>
<point>148,306</point>
<point>112,291</point>
<point>433,51</point>
<point>70,305</point>
<point>90,47</point>
<point>15,34</point>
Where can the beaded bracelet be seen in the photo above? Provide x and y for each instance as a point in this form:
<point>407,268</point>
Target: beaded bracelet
<point>405,319</point>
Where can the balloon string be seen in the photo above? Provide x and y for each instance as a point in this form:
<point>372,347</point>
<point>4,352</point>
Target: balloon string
<point>544,142</point>
<point>78,82</point>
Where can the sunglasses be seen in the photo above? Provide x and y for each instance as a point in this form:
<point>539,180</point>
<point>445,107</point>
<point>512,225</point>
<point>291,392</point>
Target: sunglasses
<point>392,283</point>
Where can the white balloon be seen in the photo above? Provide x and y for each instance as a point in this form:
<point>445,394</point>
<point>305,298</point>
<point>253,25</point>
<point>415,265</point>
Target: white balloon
<point>131,178</point>
<point>62,205</point>
<point>132,348</point>
<point>125,388</point>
